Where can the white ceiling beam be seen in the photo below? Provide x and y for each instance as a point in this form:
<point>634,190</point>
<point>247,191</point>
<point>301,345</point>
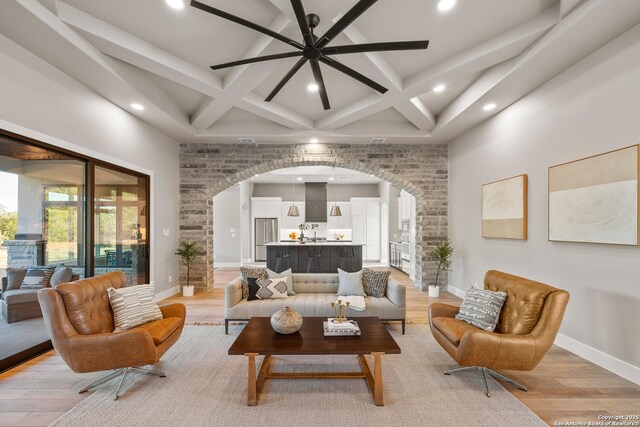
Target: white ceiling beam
<point>495,50</point>
<point>258,130</point>
<point>114,80</point>
<point>142,54</point>
<point>582,32</point>
<point>274,112</point>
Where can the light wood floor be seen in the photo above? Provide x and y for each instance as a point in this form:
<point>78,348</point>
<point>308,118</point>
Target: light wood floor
<point>563,387</point>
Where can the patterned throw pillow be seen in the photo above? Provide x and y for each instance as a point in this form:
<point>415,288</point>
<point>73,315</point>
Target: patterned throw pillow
<point>287,275</point>
<point>37,277</point>
<point>375,282</point>
<point>275,288</point>
<point>481,308</point>
<point>133,306</point>
<point>254,272</point>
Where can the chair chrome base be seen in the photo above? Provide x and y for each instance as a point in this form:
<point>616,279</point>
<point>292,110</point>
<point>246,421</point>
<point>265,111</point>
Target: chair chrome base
<point>485,372</point>
<point>123,374</point>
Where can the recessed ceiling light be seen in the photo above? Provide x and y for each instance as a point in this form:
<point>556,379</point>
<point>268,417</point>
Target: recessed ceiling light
<point>439,88</point>
<point>313,140</point>
<point>312,87</point>
<point>299,178</point>
<point>176,4</point>
<point>256,175</point>
<point>489,107</point>
<point>445,5</point>
<point>137,106</point>
<point>330,178</point>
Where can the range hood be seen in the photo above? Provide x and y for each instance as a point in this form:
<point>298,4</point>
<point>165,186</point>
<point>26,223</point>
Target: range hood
<point>315,202</point>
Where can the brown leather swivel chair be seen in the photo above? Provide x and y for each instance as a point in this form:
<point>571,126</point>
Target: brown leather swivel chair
<point>79,320</point>
<point>528,325</point>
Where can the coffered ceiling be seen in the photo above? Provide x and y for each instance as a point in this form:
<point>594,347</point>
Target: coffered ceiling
<point>145,52</point>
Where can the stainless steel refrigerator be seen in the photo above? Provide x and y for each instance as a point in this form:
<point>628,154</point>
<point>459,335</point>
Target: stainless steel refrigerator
<point>266,232</point>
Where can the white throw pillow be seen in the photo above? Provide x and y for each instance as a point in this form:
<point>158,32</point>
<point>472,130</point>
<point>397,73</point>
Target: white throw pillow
<point>274,288</point>
<point>286,274</point>
<point>350,283</point>
<point>133,306</point>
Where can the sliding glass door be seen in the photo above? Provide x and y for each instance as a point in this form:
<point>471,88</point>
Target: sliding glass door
<point>120,218</point>
<point>59,208</point>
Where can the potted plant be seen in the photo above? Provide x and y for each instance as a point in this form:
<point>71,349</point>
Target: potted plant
<point>441,253</point>
<point>187,252</point>
<point>302,227</point>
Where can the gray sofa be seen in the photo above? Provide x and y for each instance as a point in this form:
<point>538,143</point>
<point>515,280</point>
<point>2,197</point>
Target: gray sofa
<point>314,293</point>
<point>20,304</point>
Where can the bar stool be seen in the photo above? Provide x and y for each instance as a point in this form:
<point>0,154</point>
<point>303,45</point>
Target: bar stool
<point>314,259</point>
<point>346,254</point>
<point>283,256</point>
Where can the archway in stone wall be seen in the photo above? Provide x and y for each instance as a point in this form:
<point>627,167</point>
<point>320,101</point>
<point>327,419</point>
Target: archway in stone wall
<point>208,169</point>
<point>334,162</point>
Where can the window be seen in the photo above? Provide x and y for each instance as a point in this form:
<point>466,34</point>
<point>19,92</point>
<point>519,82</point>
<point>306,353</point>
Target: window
<point>57,207</point>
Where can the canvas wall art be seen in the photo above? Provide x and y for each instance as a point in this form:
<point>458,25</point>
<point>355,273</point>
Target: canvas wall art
<point>504,208</point>
<point>595,200</point>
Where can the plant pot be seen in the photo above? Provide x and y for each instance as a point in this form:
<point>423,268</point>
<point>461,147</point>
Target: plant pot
<point>187,291</point>
<point>434,291</point>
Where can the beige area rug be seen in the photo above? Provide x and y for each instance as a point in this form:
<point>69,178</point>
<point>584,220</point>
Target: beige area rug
<point>206,387</point>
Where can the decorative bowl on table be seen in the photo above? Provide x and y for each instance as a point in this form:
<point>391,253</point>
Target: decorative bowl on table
<point>286,321</point>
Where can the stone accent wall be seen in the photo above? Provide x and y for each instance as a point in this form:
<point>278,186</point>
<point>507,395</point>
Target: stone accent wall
<point>207,169</point>
<point>24,253</point>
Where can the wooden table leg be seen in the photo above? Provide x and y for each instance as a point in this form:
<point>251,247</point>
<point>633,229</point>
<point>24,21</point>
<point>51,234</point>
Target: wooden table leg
<point>252,395</point>
<point>264,370</point>
<point>377,379</point>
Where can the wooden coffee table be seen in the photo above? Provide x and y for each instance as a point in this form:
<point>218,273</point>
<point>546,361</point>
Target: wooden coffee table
<point>259,338</point>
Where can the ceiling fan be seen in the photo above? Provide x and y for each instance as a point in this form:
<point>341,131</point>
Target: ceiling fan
<point>314,49</point>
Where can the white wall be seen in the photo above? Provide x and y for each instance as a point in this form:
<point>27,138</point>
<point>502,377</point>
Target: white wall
<point>39,101</point>
<point>591,108</point>
<point>227,228</point>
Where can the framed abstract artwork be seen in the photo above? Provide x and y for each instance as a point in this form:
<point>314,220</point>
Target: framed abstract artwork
<point>595,200</point>
<point>504,208</point>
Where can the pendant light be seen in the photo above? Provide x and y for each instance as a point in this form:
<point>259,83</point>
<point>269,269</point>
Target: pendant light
<point>293,209</point>
<point>335,209</point>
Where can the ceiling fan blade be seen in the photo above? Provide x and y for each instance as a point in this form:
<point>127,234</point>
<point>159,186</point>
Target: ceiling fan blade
<point>256,59</point>
<point>317,75</point>
<point>244,22</point>
<point>345,21</point>
<point>375,47</point>
<point>301,16</point>
<point>353,73</point>
<point>286,78</point>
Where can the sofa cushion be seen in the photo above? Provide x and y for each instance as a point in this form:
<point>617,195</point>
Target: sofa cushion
<point>287,274</point>
<point>161,329</point>
<point>61,274</point>
<point>452,328</point>
<point>375,282</point>
<point>313,305</point>
<point>15,276</point>
<point>350,283</point>
<point>255,272</point>
<point>37,277</point>
<point>275,288</point>
<point>133,306</point>
<point>316,283</point>
<point>18,296</point>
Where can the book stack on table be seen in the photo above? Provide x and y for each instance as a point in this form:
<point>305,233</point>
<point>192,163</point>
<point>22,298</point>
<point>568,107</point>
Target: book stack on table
<point>334,328</point>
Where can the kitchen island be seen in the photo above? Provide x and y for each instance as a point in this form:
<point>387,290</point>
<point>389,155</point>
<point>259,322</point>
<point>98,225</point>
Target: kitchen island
<point>313,257</point>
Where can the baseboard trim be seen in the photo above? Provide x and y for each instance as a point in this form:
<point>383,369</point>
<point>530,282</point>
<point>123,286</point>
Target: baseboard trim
<point>600,358</point>
<point>226,264</point>
<point>457,292</point>
<point>168,293</point>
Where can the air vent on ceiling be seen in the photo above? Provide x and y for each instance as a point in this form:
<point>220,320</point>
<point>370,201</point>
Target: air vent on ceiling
<point>247,141</point>
<point>377,140</point>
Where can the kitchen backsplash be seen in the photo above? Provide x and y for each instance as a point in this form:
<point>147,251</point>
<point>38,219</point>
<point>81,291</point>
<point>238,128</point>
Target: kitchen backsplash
<point>320,230</point>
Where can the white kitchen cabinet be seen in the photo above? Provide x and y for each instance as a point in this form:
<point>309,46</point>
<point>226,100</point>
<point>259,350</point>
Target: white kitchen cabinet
<point>399,207</point>
<point>366,226</point>
<point>266,207</point>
